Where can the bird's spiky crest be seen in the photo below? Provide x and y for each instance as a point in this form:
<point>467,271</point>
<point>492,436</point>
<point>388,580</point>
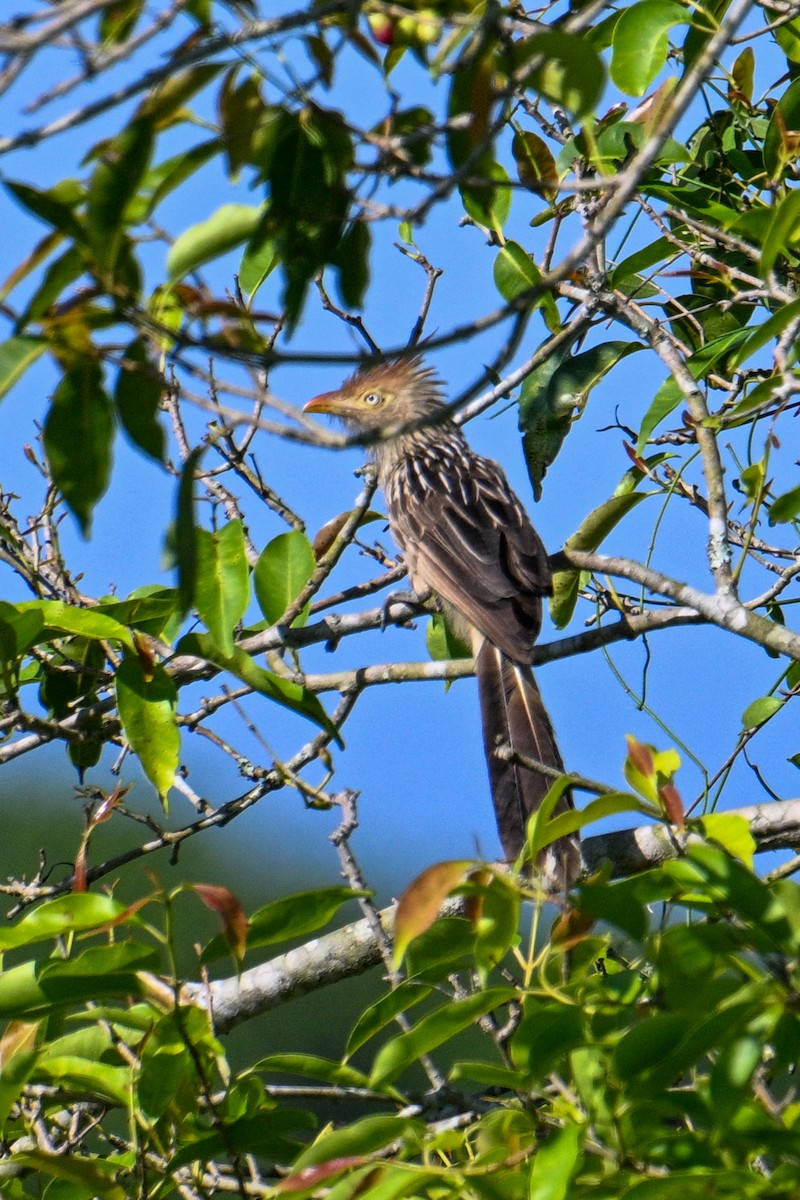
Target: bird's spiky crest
<point>399,375</point>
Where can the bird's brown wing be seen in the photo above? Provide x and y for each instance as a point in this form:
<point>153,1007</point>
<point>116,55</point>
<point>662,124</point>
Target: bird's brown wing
<point>466,536</point>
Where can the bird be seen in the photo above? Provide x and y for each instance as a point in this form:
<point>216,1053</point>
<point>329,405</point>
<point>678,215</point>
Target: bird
<point>467,540</point>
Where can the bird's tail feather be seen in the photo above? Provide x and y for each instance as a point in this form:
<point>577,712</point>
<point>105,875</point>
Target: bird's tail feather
<point>514,715</point>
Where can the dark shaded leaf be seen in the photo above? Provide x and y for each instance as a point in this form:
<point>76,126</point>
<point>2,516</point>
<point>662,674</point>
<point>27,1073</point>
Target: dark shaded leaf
<point>78,433</point>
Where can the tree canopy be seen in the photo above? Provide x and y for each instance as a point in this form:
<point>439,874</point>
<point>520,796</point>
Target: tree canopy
<point>587,216</point>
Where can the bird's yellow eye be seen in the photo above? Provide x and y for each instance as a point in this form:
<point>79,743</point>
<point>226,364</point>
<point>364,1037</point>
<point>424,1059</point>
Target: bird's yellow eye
<point>373,398</point>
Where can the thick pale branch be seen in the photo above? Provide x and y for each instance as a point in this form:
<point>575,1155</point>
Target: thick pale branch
<point>355,948</point>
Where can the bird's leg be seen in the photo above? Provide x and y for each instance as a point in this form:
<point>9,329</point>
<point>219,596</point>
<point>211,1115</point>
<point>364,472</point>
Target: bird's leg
<point>420,602</point>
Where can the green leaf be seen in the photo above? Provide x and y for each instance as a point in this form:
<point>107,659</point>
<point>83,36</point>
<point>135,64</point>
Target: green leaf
<point>78,433</point>
<point>19,630</point>
<point>147,709</point>
<point>96,1176</point>
<point>439,1026</point>
<point>259,259</point>
<point>515,271</point>
<point>785,507</point>
<point>669,395</point>
<point>361,1137</point>
<point>536,167</point>
<point>123,162</point>
<point>230,226</point>
<point>16,355</point>
<point>761,710</point>
<point>72,1073</point>
<point>223,584</point>
<point>284,567</point>
<point>568,71</point>
<point>442,642</point>
<point>641,43</point>
<point>291,695</point>
<point>384,1011</point>
<point>782,232</point>
<point>186,532</point>
<point>647,1044</point>
<point>313,1066</point>
<point>287,918</point>
<point>732,832</point>
<point>29,991</point>
<point>56,918</point>
<point>163,103</point>
<point>351,259</point>
<point>469,107</point>
<point>50,208</point>
<point>138,399</point>
<point>551,395</point>
<point>779,146</point>
<point>60,618</point>
<point>488,203</point>
<point>593,530</point>
<point>555,1163</point>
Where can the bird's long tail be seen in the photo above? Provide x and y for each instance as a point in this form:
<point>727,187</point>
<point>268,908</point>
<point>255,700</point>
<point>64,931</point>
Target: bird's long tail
<point>514,715</point>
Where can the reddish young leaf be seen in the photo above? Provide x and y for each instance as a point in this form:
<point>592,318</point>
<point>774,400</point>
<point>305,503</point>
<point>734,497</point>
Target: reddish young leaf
<point>419,904</point>
<point>313,1176</point>
<point>229,909</point>
<point>674,809</point>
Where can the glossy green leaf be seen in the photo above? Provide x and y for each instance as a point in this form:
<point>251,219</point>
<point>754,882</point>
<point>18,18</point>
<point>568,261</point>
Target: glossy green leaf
<point>732,832</point>
<point>93,1174</point>
<point>50,208</point>
<point>351,259</point>
<point>123,162</point>
<point>760,710</point>
<point>785,507</point>
<point>555,1163</point>
<point>163,102</point>
<point>366,1136</point>
<point>56,918</point>
<point>641,42</point>
<point>16,355</point>
<point>222,588</point>
<point>291,695</point>
<point>592,531</point>
<point>19,630</point>
<point>230,226</point>
<point>782,232</point>
<point>289,917</point>
<point>60,618</point>
<point>147,709</point>
<point>554,394</point>
<point>434,1029</point>
<point>779,146</point>
<point>669,395</point>
<point>536,167</point>
<point>313,1066</point>
<point>27,993</point>
<point>185,533</point>
<point>376,1017</point>
<point>283,569</point>
<point>488,203</point>
<point>442,642</point>
<point>567,70</point>
<point>72,1073</point>
<point>138,395</point>
<point>469,107</point>
<point>78,434</point>
<point>258,261</point>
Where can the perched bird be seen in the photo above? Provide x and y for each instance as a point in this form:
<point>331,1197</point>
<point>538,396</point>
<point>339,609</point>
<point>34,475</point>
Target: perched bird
<point>466,538</point>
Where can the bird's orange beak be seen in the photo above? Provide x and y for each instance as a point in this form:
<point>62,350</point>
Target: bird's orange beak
<point>326,402</point>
